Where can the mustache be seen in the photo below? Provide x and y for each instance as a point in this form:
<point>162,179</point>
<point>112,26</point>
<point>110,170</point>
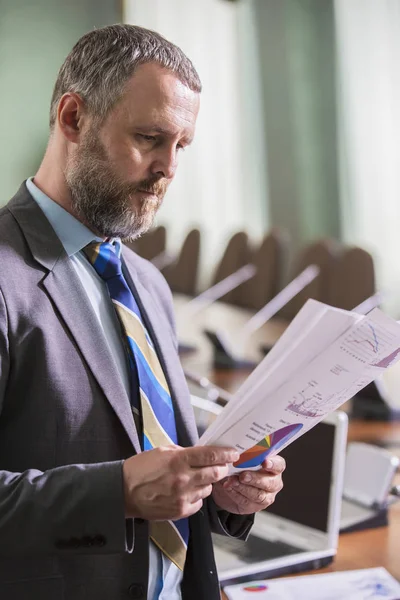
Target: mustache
<point>155,186</point>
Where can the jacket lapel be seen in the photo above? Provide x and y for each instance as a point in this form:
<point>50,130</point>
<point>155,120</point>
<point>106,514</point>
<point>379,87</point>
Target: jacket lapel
<point>66,291</point>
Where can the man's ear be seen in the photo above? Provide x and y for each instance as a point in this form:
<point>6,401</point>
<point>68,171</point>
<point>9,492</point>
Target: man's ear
<point>70,111</point>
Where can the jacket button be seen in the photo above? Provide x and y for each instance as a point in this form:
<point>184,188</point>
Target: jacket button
<point>136,591</point>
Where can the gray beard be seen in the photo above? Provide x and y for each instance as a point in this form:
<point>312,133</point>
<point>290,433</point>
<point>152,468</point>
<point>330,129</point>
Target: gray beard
<point>108,212</point>
<point>103,202</point>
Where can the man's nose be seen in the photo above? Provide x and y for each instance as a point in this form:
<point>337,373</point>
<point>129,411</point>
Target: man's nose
<point>165,163</point>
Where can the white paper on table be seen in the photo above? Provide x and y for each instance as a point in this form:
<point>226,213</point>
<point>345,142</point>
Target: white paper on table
<point>306,384</point>
<point>362,584</point>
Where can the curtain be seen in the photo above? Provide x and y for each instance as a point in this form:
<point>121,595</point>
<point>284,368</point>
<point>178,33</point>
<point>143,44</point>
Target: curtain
<point>368,75</point>
<point>220,185</point>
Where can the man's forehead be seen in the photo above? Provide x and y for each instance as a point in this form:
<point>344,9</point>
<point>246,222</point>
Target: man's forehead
<point>155,91</point>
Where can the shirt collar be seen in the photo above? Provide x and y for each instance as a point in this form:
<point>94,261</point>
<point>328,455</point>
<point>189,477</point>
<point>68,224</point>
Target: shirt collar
<point>73,234</point>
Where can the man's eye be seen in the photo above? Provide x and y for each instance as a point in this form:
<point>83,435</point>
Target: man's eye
<point>147,138</point>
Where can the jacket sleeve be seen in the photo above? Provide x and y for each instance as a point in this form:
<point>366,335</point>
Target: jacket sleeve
<point>69,509</point>
<point>226,523</point>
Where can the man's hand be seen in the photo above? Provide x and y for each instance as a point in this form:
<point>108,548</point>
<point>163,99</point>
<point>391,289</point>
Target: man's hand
<point>170,482</point>
<point>251,491</point>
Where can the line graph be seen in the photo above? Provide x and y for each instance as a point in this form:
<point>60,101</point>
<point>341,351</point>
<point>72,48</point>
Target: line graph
<point>373,342</point>
<point>308,402</point>
<point>306,407</point>
<point>368,343</point>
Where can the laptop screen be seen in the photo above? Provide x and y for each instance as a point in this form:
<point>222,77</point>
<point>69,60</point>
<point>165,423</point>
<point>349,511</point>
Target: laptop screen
<point>305,497</point>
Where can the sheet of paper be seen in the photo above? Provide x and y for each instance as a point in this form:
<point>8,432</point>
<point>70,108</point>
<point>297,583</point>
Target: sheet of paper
<point>328,364</point>
<point>298,345</point>
<point>363,584</point>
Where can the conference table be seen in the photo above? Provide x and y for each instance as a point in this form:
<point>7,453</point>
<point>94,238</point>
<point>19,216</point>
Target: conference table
<point>378,547</point>
<point>369,548</point>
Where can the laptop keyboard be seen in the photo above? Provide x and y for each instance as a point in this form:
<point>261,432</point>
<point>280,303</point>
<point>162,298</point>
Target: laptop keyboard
<point>255,549</point>
<point>351,510</point>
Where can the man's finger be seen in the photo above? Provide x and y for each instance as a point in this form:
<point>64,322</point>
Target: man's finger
<point>207,475</point>
<point>266,484</point>
<point>243,504</point>
<point>206,456</point>
<point>248,498</point>
<point>262,480</point>
<point>276,464</point>
<point>201,493</point>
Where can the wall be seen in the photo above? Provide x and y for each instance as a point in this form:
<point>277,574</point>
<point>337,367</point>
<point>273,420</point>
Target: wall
<point>221,183</point>
<point>35,37</point>
<point>296,45</point>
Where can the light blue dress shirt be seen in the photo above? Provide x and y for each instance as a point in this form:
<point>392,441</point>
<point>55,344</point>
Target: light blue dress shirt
<point>164,577</point>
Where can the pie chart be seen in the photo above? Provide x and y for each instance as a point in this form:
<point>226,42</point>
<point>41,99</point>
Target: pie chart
<point>255,588</point>
<point>255,455</point>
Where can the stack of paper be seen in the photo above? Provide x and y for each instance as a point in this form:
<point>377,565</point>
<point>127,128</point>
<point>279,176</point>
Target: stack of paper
<point>364,584</point>
<point>322,360</point>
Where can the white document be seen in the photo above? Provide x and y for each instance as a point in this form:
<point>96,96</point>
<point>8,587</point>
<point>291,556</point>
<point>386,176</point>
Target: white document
<point>363,584</point>
<point>324,358</point>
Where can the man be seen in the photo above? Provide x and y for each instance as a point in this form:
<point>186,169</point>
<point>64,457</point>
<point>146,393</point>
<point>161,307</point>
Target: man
<point>102,495</point>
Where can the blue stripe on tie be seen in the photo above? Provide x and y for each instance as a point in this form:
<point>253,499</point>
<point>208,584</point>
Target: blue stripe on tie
<point>107,263</point>
<point>146,443</point>
<point>183,527</point>
<point>120,292</point>
<point>148,375</point>
<point>164,415</point>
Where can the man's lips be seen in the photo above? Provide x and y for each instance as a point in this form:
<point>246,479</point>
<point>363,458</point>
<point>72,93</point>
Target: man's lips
<point>147,193</point>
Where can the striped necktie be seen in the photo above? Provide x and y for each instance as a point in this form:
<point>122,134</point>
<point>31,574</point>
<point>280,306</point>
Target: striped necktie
<point>156,407</point>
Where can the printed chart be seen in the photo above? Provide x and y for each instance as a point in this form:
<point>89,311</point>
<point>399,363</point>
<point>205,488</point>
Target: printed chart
<point>385,362</point>
<point>369,341</point>
<point>255,455</point>
<point>308,402</point>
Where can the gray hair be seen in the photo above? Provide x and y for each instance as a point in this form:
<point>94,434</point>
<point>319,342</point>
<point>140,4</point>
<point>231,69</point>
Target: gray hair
<point>102,61</point>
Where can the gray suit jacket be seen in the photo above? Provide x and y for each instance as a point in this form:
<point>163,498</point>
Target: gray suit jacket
<point>66,425</point>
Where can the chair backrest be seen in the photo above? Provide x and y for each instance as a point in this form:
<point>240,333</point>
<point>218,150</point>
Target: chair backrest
<point>269,259</point>
<point>236,254</point>
<point>182,274</point>
<point>323,253</point>
<point>352,279</point>
<point>151,244</point>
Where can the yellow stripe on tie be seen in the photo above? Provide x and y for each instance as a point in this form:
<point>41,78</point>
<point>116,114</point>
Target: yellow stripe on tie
<point>152,427</point>
<point>167,538</point>
<point>92,252</point>
<point>135,330</point>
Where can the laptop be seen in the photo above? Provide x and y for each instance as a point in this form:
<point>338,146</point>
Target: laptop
<point>368,479</point>
<point>300,530</point>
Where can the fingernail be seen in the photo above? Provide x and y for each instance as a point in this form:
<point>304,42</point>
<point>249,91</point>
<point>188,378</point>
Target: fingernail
<point>270,464</point>
<point>246,477</point>
<point>235,483</point>
<point>235,456</point>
